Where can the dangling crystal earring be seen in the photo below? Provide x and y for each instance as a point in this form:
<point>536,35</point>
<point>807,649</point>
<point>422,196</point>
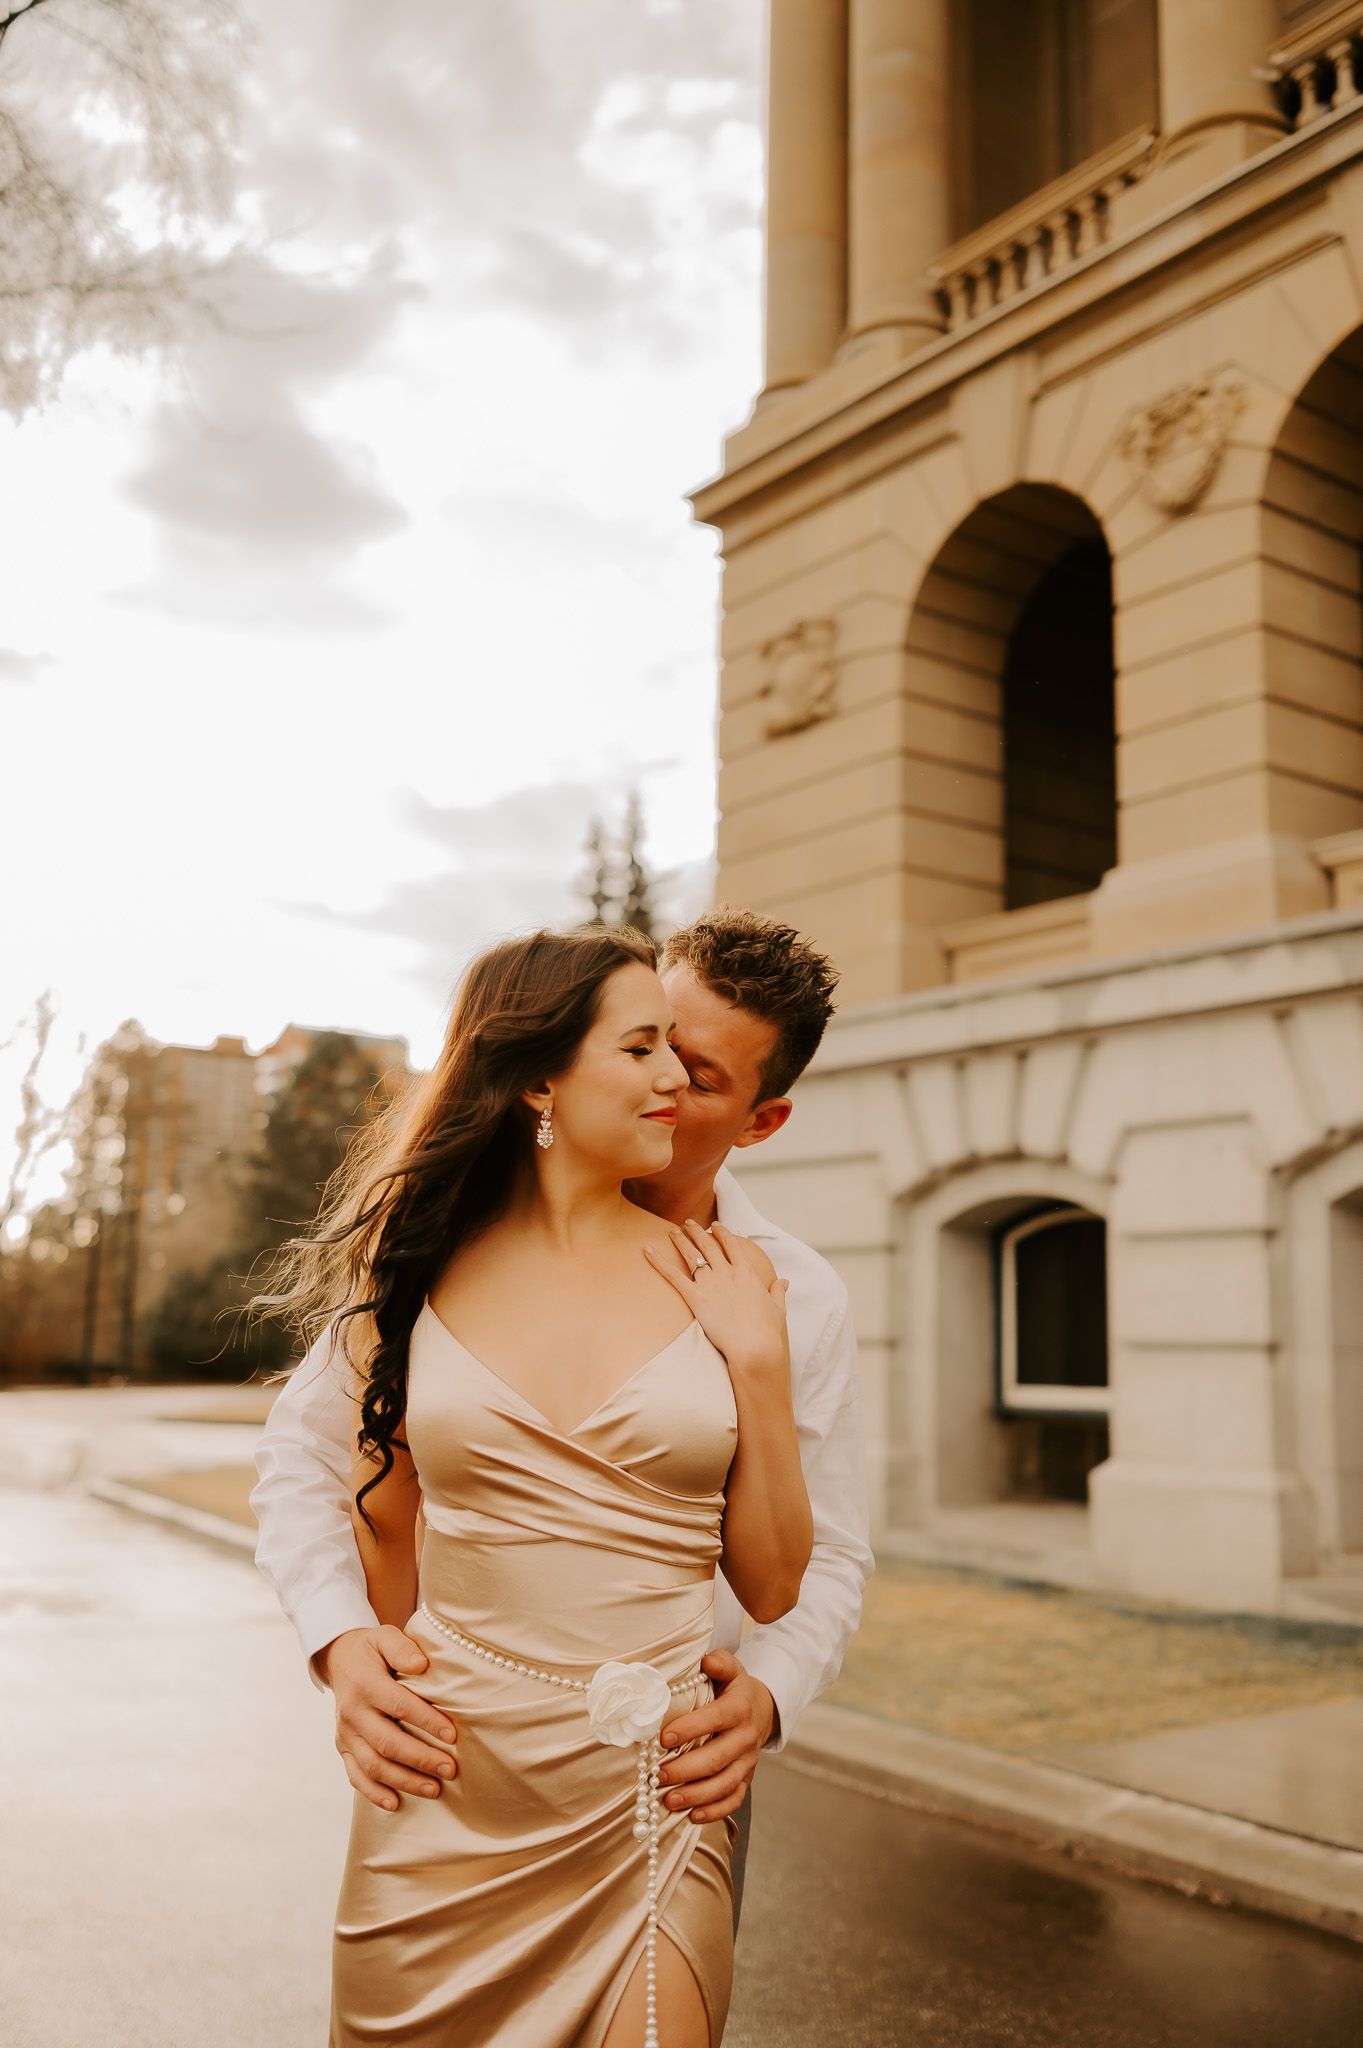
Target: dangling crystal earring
<point>544,1133</point>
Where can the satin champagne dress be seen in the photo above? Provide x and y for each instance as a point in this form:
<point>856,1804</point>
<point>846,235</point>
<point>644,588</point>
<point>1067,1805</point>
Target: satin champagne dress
<point>511,1910</point>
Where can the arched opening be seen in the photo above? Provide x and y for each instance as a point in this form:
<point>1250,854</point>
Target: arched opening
<point>1011,728</point>
<point>1059,734</point>
<point>1051,1356</point>
<point>1008,1318</point>
<point>1346,1319</point>
<point>1312,606</point>
<point>1325,1351</point>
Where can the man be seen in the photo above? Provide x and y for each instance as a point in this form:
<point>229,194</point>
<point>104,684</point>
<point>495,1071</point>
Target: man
<point>751,1000</point>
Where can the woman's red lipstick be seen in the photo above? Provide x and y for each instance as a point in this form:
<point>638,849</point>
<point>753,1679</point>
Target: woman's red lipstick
<point>661,1116</point>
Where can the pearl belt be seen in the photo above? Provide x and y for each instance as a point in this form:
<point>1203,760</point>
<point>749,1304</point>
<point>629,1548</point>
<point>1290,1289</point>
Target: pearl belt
<point>647,1684</point>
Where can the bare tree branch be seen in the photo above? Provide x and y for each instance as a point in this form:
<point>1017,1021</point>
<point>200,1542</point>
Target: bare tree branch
<point>117,159</point>
<point>7,24</point>
<point>41,1125</point>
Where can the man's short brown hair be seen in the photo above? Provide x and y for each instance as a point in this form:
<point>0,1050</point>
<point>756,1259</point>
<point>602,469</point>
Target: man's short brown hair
<point>768,969</point>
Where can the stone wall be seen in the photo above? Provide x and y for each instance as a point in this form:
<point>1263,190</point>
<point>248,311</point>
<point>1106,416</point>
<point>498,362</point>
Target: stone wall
<point>1159,355</point>
<point>1203,413</point>
<point>1208,1102</point>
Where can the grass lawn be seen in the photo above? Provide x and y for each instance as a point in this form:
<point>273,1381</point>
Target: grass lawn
<point>1029,1668</point>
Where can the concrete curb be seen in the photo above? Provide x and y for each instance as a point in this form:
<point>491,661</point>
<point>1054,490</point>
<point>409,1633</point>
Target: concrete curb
<point>235,1535</point>
<point>1204,1854</point>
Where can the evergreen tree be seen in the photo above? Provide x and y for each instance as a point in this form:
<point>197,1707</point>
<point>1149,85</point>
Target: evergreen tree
<point>618,884</point>
<point>598,878</point>
<point>197,1330</point>
<point>331,1094</point>
<point>637,909</point>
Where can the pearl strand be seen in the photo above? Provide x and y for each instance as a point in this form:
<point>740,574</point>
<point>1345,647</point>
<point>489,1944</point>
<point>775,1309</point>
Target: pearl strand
<point>527,1670</point>
<point>647,1812</point>
<point>647,1799</point>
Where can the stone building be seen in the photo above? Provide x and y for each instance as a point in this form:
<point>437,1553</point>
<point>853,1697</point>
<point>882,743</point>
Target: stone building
<point>1042,709</point>
<point>191,1122</point>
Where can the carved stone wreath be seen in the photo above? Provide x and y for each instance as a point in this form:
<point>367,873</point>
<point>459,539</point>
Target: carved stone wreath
<point>1175,445</point>
<point>801,679</point>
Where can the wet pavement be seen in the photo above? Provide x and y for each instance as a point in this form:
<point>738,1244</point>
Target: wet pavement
<point>174,1816</point>
<point>868,1923</point>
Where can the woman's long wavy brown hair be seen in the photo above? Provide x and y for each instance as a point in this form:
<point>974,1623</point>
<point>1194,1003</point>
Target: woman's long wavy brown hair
<point>439,1163</point>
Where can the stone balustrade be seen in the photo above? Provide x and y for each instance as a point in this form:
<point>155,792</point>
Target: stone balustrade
<point>1042,237</point>
<point>1319,70</point>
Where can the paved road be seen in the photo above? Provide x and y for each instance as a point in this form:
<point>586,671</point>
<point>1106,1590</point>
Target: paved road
<point>173,1820</point>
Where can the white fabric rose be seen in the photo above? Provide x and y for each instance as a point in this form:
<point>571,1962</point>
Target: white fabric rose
<point>627,1702</point>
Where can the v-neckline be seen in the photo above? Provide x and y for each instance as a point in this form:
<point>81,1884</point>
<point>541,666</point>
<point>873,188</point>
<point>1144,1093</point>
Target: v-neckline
<point>567,1435</point>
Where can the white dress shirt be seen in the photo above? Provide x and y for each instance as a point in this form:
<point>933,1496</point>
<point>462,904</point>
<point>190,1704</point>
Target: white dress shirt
<point>306,1546</point>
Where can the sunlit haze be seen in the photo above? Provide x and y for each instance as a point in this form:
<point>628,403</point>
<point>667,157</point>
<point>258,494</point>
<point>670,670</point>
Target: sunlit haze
<point>320,652</point>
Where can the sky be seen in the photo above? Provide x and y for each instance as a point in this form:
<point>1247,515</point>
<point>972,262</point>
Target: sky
<point>323,642</point>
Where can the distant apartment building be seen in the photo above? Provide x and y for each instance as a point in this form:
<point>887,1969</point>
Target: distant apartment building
<point>198,1127</point>
<point>193,1118</point>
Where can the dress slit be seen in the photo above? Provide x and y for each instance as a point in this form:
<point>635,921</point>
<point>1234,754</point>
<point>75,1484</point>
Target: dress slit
<point>688,1884</point>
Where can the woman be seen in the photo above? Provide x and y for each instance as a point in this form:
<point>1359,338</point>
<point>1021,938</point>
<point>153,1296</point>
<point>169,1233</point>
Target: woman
<point>569,1414</point>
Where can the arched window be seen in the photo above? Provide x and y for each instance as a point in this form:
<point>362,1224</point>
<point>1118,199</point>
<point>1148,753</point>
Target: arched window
<point>1346,1305</point>
<point>1052,1356</point>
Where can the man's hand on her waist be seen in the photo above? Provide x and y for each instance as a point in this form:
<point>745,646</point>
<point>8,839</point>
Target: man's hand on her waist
<point>382,1759</point>
<point>712,1779</point>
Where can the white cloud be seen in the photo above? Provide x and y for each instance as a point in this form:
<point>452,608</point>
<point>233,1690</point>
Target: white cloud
<point>430,472</point>
<point>19,669</point>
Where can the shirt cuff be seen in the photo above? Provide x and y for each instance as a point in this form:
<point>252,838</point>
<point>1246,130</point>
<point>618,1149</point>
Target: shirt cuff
<point>327,1615</point>
<point>766,1662</point>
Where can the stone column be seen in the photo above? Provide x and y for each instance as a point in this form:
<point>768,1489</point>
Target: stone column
<point>806,286</point>
<point>1210,51</point>
<point>1203,1499</point>
<point>899,221</point>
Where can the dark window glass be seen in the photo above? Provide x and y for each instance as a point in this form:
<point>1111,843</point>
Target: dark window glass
<point>1060,1276</point>
<point>1059,734</point>
<point>1039,87</point>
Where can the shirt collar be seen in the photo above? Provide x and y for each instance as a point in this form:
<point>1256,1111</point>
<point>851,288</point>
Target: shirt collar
<point>737,1211</point>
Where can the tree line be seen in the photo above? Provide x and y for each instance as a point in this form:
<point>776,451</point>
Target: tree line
<point>137,1271</point>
